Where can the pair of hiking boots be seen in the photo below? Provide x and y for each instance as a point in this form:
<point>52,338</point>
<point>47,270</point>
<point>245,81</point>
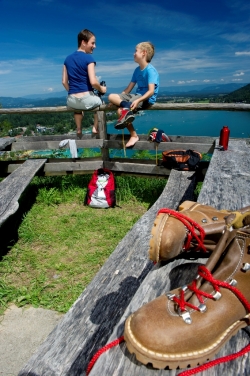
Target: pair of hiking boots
<point>189,325</point>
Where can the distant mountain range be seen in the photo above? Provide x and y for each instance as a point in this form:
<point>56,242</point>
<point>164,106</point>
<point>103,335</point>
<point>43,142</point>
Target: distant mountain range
<point>59,98</point>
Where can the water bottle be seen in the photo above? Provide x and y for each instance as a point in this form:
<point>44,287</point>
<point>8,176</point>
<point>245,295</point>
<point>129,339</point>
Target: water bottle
<point>224,137</point>
<point>103,83</point>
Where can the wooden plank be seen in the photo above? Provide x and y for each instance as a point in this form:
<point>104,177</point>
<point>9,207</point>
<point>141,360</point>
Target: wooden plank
<point>227,181</point>
<point>48,145</point>
<point>62,168</point>
<point>147,145</point>
<point>6,141</point>
<point>13,186</point>
<point>156,106</point>
<point>136,168</point>
<point>88,324</point>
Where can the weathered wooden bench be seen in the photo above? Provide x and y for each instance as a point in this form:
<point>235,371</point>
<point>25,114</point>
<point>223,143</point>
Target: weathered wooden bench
<point>128,280</point>
<point>89,323</point>
<point>5,142</point>
<point>14,185</point>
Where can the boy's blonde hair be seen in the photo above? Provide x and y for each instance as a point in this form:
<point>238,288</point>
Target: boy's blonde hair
<point>149,48</point>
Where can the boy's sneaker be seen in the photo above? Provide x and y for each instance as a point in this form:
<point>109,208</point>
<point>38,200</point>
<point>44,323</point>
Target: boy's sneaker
<point>126,117</point>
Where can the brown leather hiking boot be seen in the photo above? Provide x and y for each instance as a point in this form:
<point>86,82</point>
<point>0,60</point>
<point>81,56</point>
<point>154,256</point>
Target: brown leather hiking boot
<point>190,325</point>
<point>177,231</point>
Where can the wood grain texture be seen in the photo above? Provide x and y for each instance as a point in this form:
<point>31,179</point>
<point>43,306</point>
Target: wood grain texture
<point>13,186</point>
<point>227,181</point>
<point>62,168</point>
<point>89,323</point>
<point>6,141</point>
<point>48,145</point>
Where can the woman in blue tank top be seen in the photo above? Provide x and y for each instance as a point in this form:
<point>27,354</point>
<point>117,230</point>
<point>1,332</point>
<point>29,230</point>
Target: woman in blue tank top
<point>79,79</point>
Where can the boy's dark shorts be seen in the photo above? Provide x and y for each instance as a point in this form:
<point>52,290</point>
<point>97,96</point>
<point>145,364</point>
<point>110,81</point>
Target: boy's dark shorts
<point>132,97</point>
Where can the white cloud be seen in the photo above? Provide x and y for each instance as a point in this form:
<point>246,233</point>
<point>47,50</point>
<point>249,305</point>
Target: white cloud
<point>181,82</point>
<point>237,79</point>
<point>239,74</point>
<point>247,53</point>
<point>237,37</point>
<point>206,80</point>
<point>7,71</point>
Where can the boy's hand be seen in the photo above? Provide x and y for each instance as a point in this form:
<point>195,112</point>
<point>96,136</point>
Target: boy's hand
<point>135,104</point>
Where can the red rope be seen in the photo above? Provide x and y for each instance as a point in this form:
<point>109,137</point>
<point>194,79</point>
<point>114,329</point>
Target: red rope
<point>101,351</point>
<point>191,225</point>
<point>213,363</point>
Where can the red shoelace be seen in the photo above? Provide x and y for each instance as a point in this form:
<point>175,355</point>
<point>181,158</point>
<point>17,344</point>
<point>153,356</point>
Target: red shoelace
<point>191,226</point>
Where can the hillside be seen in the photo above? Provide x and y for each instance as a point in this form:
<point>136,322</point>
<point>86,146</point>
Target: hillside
<point>241,95</point>
<point>59,98</point>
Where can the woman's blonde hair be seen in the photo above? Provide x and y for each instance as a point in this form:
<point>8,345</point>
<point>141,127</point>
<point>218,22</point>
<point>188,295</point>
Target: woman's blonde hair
<point>149,48</point>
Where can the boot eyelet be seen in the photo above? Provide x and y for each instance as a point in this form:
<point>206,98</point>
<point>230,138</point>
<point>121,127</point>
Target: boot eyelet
<point>186,316</point>
<point>233,282</point>
<point>171,296</point>
<point>204,220</point>
<point>246,267</point>
<point>215,218</point>
<point>217,295</point>
<point>202,308</point>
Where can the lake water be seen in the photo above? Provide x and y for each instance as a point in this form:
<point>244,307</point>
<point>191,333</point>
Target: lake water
<point>192,123</point>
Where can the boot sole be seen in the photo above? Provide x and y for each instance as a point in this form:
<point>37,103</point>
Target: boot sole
<point>123,125</point>
<point>173,361</point>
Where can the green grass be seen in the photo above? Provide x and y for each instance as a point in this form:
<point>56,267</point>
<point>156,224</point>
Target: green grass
<point>62,243</point>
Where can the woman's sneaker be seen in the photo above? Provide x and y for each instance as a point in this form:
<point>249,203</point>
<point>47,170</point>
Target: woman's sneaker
<point>126,117</point>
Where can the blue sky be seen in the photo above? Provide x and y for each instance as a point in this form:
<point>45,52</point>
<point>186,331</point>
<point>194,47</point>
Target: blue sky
<point>197,42</point>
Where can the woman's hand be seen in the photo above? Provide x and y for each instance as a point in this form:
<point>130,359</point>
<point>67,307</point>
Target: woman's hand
<point>103,89</point>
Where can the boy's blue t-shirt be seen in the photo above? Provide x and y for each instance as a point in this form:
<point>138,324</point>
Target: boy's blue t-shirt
<point>142,78</point>
<point>77,69</point>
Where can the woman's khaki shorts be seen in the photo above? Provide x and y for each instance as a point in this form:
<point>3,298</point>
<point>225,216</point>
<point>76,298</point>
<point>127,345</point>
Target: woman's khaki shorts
<point>86,102</point>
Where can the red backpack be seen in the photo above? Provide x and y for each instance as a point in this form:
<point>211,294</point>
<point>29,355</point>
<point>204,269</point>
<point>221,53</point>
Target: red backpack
<point>101,189</point>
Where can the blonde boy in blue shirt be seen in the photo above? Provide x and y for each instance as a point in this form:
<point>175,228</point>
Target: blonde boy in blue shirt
<point>147,79</point>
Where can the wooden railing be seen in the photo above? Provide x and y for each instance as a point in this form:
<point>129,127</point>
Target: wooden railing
<point>105,142</point>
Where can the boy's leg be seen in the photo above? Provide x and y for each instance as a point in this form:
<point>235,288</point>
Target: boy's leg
<point>78,120</point>
<point>115,99</point>
<point>95,126</point>
<point>133,136</point>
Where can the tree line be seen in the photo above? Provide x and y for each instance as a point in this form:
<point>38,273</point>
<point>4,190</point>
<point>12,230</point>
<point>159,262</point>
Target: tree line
<point>53,123</point>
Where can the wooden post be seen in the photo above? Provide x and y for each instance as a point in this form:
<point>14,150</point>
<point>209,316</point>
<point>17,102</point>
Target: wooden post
<point>102,124</point>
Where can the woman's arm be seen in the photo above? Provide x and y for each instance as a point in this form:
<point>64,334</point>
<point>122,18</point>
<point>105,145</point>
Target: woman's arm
<point>93,80</point>
<point>65,80</point>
